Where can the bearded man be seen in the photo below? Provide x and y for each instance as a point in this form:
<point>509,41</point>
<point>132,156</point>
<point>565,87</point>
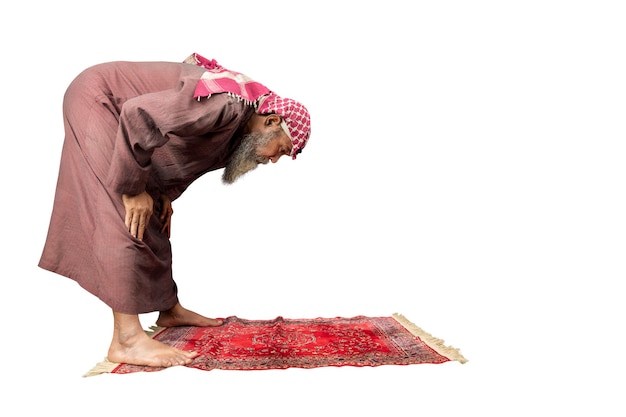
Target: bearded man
<point>137,134</point>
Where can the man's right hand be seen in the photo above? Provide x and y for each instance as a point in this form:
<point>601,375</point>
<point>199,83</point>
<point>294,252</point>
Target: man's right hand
<point>138,211</point>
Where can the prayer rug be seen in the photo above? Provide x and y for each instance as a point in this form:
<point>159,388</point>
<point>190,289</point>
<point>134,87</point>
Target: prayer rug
<point>241,344</point>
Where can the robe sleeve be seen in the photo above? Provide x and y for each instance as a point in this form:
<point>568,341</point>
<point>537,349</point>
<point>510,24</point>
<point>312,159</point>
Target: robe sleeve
<point>147,120</point>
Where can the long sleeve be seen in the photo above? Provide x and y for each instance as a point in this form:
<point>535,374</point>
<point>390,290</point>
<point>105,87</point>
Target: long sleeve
<point>147,122</point>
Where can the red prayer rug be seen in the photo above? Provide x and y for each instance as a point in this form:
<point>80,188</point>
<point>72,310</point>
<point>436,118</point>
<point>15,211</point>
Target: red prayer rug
<point>281,343</point>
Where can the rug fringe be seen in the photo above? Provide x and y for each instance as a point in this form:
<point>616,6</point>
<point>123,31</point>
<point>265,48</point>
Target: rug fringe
<point>103,367</point>
<point>154,330</point>
<point>106,366</point>
<point>437,344</point>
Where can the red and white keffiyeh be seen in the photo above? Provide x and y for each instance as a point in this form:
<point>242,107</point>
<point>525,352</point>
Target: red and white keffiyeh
<point>296,119</point>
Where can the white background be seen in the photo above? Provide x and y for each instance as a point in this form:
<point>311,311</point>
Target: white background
<point>466,169</point>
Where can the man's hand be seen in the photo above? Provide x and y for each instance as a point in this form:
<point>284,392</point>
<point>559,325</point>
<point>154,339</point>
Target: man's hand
<point>138,211</point>
<point>166,214</point>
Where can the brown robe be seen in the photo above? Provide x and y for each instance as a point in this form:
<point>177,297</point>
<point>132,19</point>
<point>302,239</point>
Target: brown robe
<point>130,127</point>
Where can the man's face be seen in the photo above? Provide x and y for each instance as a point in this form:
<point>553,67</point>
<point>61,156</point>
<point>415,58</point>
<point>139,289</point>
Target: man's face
<point>256,148</point>
<point>277,146</point>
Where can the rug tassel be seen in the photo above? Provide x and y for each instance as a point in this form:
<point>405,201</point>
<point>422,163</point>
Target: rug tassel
<point>154,330</point>
<point>103,367</point>
<point>437,344</point>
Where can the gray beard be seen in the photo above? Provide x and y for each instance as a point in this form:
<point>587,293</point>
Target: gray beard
<point>245,158</point>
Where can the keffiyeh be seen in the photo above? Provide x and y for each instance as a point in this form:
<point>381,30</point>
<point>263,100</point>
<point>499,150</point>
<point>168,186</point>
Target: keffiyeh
<point>296,119</point>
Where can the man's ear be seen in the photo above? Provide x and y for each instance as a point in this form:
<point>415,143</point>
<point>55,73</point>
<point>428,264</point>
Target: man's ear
<point>272,120</point>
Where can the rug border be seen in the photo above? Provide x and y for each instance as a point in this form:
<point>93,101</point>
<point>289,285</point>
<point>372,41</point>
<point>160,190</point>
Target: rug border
<point>438,345</point>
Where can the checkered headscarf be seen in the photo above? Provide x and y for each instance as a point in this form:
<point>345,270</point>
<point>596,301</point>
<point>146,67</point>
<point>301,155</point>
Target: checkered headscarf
<point>296,119</point>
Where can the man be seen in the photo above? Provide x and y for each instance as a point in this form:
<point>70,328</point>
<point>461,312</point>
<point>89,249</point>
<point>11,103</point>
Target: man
<point>137,134</point>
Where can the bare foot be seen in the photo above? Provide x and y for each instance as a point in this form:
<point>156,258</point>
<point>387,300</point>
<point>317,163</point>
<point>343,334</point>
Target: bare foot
<point>133,346</point>
<point>142,350</point>
<point>180,316</point>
